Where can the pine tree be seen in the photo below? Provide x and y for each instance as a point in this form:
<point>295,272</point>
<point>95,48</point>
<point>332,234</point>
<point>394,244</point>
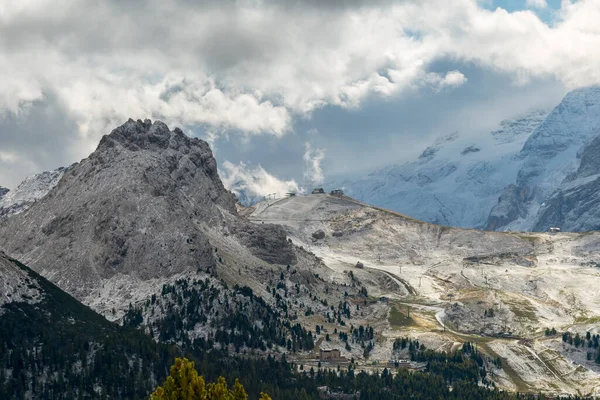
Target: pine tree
<point>184,383</point>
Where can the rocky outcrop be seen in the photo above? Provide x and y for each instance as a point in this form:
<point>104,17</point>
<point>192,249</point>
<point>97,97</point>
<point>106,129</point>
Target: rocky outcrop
<point>318,235</point>
<point>267,242</point>
<point>575,206</point>
<point>509,208</point>
<point>28,192</point>
<point>144,205</point>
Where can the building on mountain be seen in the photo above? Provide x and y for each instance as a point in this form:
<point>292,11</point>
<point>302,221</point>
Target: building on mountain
<point>337,193</point>
<point>332,355</point>
<point>554,230</point>
<point>318,191</point>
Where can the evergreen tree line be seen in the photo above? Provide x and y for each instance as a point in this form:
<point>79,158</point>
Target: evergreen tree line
<point>589,341</point>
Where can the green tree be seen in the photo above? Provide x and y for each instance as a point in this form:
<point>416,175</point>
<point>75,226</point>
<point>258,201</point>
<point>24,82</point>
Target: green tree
<point>184,383</point>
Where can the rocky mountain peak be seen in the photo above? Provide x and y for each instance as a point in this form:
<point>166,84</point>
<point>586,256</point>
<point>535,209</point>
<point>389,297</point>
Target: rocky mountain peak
<point>146,135</point>
<point>3,191</point>
<point>187,160</point>
<point>148,203</point>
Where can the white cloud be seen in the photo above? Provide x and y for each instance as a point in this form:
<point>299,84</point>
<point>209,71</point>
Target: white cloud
<point>251,67</point>
<point>313,171</point>
<point>536,4</point>
<point>253,184</point>
<point>453,79</point>
<point>8,157</point>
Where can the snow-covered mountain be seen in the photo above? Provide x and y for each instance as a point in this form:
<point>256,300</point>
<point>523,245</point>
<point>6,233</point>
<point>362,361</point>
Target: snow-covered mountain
<point>455,181</point>
<point>495,181</point>
<point>28,192</point>
<point>549,155</point>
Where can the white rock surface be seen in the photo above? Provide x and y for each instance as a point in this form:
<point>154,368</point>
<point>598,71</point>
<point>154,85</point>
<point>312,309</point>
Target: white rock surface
<point>28,192</point>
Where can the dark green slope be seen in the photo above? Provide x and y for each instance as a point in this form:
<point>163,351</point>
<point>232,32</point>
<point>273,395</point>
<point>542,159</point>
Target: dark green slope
<point>60,349</point>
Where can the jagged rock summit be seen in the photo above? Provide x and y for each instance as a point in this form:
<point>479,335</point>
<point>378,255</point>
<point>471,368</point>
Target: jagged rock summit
<point>141,206</point>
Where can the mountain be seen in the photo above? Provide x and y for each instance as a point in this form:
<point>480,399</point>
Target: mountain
<point>575,205</point>
<point>52,346</point>
<point>28,192</point>
<point>455,181</point>
<point>549,155</point>
<point>140,207</point>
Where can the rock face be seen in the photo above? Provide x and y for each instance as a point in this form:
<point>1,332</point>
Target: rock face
<point>454,182</point>
<point>509,208</point>
<point>16,285</point>
<point>575,206</point>
<point>141,206</point>
<point>28,192</point>
<point>550,155</point>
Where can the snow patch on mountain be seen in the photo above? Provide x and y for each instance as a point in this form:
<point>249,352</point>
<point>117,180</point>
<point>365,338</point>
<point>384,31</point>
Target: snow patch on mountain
<point>455,181</point>
<point>28,192</point>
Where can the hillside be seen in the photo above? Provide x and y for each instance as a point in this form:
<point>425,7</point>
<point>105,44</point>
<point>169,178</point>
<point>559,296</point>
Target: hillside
<point>448,285</point>
<point>52,346</point>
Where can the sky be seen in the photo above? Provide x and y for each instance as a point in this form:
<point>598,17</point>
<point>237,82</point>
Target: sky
<point>289,93</point>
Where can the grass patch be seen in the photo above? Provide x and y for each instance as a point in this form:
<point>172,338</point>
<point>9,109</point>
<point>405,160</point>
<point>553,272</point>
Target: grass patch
<point>529,238</point>
<point>587,320</point>
<point>399,318</point>
<point>522,308</point>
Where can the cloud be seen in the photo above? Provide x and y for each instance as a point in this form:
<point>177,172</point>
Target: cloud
<point>252,67</point>
<point>253,184</point>
<point>313,172</point>
<point>453,79</point>
<point>536,4</point>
